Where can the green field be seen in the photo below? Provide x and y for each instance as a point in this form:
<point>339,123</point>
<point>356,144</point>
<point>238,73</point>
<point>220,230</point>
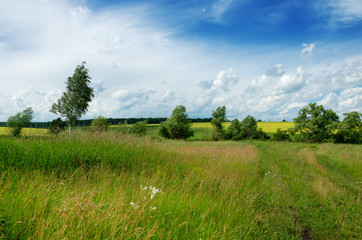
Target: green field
<point>115,186</point>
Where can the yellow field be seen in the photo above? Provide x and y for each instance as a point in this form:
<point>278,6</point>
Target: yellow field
<point>26,131</point>
<point>269,127</point>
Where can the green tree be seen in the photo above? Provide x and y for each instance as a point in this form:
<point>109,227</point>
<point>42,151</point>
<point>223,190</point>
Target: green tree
<point>350,129</point>
<point>139,128</point>
<point>99,124</point>
<point>75,101</point>
<point>177,126</point>
<point>56,126</point>
<point>218,118</point>
<point>234,131</point>
<point>20,120</point>
<point>315,124</point>
<point>245,129</point>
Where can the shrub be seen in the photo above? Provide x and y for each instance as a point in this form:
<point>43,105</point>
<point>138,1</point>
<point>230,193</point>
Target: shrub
<point>315,124</point>
<point>281,135</point>
<point>99,124</point>
<point>56,126</point>
<point>139,128</point>
<point>350,129</point>
<point>177,126</point>
<point>20,120</point>
<point>245,129</point>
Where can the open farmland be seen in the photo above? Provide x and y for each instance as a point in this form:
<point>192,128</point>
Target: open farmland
<point>26,131</point>
<point>203,130</point>
<point>115,186</point>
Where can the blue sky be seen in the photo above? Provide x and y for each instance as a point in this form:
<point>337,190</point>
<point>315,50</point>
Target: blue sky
<point>257,57</point>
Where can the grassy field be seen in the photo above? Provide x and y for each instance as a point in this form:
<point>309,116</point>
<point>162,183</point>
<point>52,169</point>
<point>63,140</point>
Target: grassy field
<point>114,186</point>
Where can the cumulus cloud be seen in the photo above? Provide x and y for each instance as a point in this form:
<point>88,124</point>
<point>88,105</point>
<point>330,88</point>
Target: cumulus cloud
<point>128,98</point>
<point>346,101</point>
<point>224,81</point>
<point>276,70</point>
<point>289,83</point>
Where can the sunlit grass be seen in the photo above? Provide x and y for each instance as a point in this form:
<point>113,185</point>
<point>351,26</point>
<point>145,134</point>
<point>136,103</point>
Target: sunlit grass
<point>116,186</point>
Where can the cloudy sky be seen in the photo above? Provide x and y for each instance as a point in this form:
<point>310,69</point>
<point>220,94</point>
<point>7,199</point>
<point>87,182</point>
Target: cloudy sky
<point>257,57</point>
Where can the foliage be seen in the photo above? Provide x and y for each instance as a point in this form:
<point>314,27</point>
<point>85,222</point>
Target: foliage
<point>218,118</point>
<point>20,120</point>
<point>350,129</point>
<point>234,131</point>
<point>75,101</point>
<point>246,129</point>
<point>315,124</point>
<point>281,135</point>
<point>177,126</point>
<point>56,126</point>
<point>99,124</point>
<point>139,128</point>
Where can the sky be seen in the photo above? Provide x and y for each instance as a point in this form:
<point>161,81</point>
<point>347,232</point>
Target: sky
<point>262,58</point>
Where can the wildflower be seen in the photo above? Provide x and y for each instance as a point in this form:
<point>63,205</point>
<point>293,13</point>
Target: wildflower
<point>154,192</point>
<point>278,184</point>
<point>153,208</point>
<point>268,172</point>
<point>133,205</point>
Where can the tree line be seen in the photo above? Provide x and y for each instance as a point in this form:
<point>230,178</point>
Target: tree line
<point>314,123</point>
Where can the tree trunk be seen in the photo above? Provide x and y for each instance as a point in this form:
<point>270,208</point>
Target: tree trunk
<point>70,131</point>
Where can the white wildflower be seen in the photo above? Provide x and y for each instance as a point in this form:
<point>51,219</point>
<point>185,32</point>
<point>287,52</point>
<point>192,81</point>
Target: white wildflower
<point>133,205</point>
<point>153,208</point>
<point>154,192</point>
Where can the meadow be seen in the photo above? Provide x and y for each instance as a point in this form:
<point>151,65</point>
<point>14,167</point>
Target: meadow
<point>115,186</point>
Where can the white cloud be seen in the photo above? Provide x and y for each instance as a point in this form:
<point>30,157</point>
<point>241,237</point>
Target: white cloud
<point>308,50</point>
<point>219,8</point>
<point>224,81</point>
<point>348,100</point>
<point>346,11</point>
<point>79,11</point>
<point>290,83</point>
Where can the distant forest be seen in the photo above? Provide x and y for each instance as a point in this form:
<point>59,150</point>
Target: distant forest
<point>112,121</point>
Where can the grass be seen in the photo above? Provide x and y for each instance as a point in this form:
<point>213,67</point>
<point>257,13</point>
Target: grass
<point>93,186</point>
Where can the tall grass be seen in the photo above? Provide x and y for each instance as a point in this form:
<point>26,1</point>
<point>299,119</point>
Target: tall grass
<point>115,186</point>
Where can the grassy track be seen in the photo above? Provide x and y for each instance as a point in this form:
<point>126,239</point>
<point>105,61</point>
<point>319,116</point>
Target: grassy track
<point>114,186</point>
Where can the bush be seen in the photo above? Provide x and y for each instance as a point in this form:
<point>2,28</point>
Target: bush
<point>56,126</point>
<point>315,124</point>
<point>99,124</point>
<point>139,128</point>
<point>246,129</point>
<point>281,135</point>
<point>177,126</point>
<point>350,129</point>
<point>20,120</point>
